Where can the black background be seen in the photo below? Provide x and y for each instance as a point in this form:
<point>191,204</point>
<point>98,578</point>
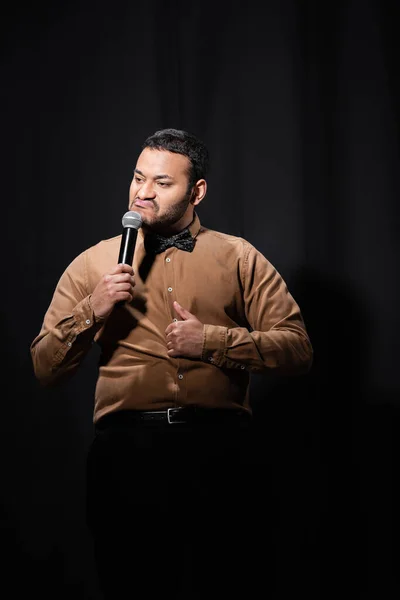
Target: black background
<point>298,103</point>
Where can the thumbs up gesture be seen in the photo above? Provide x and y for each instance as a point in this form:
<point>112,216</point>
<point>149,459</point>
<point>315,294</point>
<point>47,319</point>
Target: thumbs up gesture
<point>184,337</point>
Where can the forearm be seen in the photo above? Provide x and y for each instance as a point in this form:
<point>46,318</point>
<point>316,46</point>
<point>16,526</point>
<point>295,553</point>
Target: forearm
<point>282,349</point>
<point>274,336</point>
<point>59,349</point>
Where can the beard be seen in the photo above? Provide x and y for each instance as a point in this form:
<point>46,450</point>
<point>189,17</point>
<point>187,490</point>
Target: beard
<point>172,214</point>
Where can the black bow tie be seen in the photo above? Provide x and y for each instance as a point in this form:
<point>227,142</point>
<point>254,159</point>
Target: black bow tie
<point>156,243</point>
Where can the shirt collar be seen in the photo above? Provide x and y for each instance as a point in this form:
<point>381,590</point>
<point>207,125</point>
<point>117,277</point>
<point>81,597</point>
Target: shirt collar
<point>195,226</point>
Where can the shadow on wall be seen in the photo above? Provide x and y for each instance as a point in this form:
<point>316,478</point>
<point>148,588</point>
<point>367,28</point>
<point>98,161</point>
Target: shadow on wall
<point>306,429</point>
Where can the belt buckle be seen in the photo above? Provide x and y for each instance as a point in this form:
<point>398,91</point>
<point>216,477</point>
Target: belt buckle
<point>169,416</point>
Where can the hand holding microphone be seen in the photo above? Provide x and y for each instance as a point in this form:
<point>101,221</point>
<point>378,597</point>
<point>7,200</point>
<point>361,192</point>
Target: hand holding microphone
<point>117,286</point>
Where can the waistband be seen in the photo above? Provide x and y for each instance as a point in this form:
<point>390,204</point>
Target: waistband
<point>190,415</point>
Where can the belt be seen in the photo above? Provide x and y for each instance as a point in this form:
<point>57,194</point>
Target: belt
<point>174,416</point>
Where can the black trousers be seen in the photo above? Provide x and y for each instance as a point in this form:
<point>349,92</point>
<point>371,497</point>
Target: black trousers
<point>173,510</point>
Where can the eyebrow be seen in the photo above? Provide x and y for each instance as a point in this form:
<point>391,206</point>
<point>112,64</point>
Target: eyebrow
<point>161,176</point>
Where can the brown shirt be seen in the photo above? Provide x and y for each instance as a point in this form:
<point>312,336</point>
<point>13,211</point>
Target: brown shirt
<point>251,324</point>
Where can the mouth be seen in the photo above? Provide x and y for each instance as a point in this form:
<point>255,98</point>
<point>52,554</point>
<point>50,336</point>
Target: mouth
<point>143,203</point>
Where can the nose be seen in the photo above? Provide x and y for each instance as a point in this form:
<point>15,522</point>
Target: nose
<point>146,191</point>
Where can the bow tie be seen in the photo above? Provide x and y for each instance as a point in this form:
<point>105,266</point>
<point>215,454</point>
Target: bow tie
<point>156,243</point>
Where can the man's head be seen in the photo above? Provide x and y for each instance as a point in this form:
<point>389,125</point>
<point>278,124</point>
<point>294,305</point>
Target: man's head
<point>181,142</point>
<point>169,180</point>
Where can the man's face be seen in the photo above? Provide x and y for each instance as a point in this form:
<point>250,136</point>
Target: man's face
<point>159,190</point>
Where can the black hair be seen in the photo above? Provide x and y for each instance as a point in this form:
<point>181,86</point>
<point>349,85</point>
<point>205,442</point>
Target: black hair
<point>182,142</point>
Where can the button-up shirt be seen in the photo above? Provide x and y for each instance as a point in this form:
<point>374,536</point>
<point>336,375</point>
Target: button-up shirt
<point>251,323</point>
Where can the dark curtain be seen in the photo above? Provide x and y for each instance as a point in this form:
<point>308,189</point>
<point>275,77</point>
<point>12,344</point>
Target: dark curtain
<point>299,105</point>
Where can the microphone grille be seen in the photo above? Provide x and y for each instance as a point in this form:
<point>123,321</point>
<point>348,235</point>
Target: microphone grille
<point>132,219</point>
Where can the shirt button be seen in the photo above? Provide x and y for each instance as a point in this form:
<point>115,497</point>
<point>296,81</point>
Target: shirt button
<point>180,376</point>
<point>211,359</point>
<point>170,289</point>
<point>175,320</point>
<point>69,344</point>
<point>168,260</point>
<point>87,321</point>
<point>242,367</point>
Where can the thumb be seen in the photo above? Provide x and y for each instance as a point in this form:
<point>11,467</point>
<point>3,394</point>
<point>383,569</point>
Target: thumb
<point>182,312</point>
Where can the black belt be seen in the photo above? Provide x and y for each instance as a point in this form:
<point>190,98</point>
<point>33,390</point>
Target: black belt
<point>174,416</point>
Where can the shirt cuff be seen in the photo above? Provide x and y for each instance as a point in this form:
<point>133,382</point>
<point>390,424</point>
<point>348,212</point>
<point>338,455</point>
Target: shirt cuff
<point>85,317</point>
<point>214,344</point>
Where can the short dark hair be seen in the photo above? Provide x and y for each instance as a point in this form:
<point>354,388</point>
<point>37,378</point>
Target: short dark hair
<point>182,142</point>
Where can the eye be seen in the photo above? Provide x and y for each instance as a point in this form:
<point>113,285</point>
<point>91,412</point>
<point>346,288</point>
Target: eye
<point>163,184</point>
<point>138,179</point>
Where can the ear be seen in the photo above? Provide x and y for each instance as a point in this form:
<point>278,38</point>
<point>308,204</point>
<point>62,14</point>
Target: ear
<point>198,192</point>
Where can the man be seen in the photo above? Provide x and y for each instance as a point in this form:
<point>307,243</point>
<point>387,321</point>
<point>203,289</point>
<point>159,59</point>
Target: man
<point>169,480</point>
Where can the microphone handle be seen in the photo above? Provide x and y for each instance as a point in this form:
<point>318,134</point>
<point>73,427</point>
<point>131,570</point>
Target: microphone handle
<point>128,241</point>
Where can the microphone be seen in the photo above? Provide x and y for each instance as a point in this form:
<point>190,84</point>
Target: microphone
<point>131,222</point>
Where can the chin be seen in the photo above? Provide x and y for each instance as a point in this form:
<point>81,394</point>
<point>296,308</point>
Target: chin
<point>146,224</point>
